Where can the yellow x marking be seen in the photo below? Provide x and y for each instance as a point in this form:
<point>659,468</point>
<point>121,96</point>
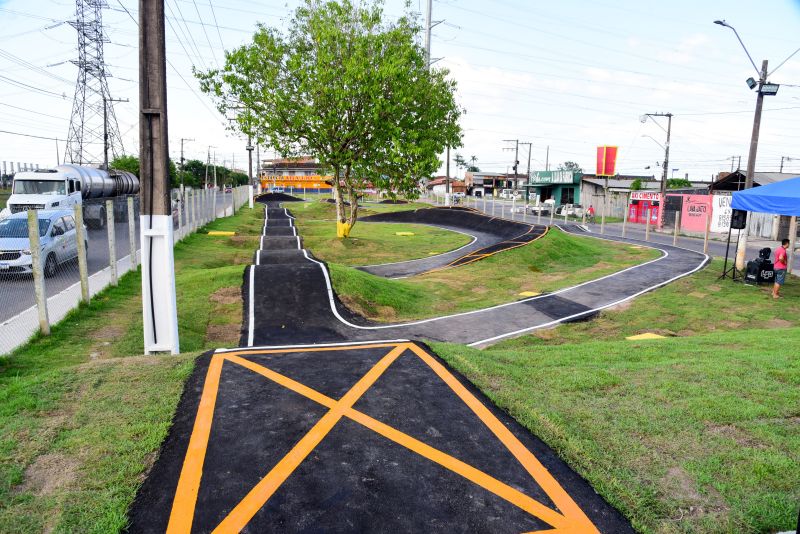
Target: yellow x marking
<point>570,519</point>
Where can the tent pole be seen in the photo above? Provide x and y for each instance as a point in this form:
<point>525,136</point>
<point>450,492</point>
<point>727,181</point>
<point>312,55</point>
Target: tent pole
<point>792,239</point>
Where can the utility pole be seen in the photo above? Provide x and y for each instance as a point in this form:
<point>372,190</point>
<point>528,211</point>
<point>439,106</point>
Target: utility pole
<point>666,160</point>
<point>182,158</point>
<point>787,158</point>
<point>249,148</point>
<point>547,159</point>
<point>428,27</point>
<point>516,155</point>
<point>447,180</point>
<point>159,306</point>
<point>258,164</point>
<point>528,172</point>
<point>105,128</point>
<point>741,251</point>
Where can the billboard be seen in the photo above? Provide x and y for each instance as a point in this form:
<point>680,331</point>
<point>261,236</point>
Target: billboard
<point>606,160</point>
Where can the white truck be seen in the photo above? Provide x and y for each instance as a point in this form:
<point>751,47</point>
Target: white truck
<point>67,186</point>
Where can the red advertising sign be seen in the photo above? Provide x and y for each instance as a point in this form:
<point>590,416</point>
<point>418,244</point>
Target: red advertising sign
<point>695,211</point>
<point>606,160</point>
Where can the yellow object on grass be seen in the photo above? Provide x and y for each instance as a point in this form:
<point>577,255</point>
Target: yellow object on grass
<point>647,335</point>
<point>220,232</point>
<point>529,294</point>
<point>404,233</point>
<point>342,229</point>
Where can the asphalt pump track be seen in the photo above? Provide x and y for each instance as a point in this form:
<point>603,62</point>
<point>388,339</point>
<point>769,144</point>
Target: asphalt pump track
<point>319,424</point>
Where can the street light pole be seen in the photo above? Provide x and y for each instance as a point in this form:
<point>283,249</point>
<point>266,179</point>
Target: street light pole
<point>666,160</point>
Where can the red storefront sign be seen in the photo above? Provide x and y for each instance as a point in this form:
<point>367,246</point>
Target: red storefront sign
<point>606,160</point>
<point>641,202</point>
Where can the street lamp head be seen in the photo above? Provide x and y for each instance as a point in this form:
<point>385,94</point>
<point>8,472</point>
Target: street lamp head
<point>722,23</point>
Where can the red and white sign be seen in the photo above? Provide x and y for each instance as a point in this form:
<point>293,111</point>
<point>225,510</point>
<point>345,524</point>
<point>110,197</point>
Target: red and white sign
<point>695,212</point>
<point>606,160</point>
<point>646,195</point>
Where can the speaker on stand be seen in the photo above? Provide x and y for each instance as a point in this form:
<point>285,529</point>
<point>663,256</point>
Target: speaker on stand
<point>738,222</point>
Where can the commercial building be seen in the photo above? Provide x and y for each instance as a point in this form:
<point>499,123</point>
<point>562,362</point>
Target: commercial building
<point>303,173</point>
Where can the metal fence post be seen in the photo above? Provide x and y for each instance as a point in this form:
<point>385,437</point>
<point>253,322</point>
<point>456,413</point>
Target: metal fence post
<point>792,240</point>
<point>552,214</point>
<point>38,275</point>
<point>708,230</point>
<point>112,241</point>
<point>80,237</point>
<point>603,216</point>
<point>214,205</point>
<point>677,228</point>
<point>132,233</point>
<point>647,227</point>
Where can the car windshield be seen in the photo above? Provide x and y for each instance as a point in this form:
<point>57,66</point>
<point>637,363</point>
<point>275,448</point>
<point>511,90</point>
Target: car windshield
<point>17,228</point>
<point>39,187</point>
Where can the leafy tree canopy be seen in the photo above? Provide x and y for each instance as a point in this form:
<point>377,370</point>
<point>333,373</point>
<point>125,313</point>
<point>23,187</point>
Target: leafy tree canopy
<point>677,183</point>
<point>636,185</point>
<point>570,166</point>
<point>345,86</point>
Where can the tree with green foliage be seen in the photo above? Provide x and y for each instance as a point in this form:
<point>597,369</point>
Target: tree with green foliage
<point>473,164</point>
<point>678,183</point>
<point>636,185</point>
<point>570,166</point>
<point>131,164</point>
<point>347,87</point>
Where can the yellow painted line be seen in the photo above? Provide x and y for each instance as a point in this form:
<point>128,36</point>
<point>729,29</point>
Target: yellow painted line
<point>646,335</point>
<point>551,487</point>
<point>238,518</point>
<point>403,233</point>
<point>487,482</point>
<point>475,476</point>
<point>529,294</point>
<point>221,233</point>
<point>182,514</point>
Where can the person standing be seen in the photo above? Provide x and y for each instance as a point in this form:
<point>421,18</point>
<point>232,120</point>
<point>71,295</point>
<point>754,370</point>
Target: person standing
<point>781,263</point>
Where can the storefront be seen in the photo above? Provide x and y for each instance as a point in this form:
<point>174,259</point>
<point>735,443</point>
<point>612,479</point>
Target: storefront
<point>564,187</point>
<point>641,203</point>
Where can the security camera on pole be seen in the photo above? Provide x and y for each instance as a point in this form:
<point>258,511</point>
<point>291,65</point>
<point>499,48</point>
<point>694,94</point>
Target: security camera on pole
<point>764,88</point>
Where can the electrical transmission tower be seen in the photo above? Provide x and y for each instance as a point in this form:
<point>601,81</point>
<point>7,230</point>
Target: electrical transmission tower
<point>93,128</point>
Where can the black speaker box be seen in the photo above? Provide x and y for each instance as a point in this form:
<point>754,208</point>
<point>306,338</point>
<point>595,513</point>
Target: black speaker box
<point>738,219</point>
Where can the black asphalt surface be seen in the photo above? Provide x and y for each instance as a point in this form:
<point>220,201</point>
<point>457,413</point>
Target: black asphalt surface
<point>351,478</point>
<point>288,434</point>
<point>490,235</point>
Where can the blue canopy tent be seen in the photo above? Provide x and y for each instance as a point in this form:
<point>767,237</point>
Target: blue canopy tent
<point>779,198</point>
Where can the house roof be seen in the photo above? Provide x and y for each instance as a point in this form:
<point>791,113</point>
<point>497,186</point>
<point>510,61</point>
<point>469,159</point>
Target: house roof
<point>735,181</point>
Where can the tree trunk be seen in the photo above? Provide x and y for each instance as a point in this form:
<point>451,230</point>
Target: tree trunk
<point>342,223</point>
<point>340,216</point>
<point>353,194</point>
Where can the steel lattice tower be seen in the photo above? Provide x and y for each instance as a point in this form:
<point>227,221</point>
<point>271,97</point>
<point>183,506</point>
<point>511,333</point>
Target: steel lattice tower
<point>92,98</point>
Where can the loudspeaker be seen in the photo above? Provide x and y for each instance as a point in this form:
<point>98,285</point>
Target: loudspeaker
<point>738,219</point>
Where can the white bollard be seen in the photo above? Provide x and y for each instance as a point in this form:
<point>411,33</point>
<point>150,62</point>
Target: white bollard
<point>677,228</point>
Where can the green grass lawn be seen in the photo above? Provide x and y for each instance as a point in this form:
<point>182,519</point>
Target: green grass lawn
<point>696,304</point>
<point>369,243</point>
<point>695,434</point>
<point>82,415</point>
<point>555,261</point>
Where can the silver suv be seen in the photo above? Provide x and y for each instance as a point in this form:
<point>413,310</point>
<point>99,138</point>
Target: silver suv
<point>56,237</point>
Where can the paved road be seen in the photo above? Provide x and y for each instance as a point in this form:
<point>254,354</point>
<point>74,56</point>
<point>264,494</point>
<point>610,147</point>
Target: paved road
<point>16,292</point>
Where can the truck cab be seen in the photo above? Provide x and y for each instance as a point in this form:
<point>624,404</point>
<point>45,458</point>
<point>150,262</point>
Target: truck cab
<point>43,190</point>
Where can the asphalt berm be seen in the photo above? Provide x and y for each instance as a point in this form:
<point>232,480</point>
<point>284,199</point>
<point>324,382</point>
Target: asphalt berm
<point>264,198</point>
<point>377,437</point>
<point>320,425</point>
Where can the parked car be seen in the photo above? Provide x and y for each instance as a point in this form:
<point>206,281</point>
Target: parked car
<point>459,194</point>
<point>56,238</point>
<point>544,208</point>
<point>508,194</point>
<point>572,210</point>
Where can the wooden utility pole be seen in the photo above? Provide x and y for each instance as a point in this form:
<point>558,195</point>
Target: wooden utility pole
<point>158,273</point>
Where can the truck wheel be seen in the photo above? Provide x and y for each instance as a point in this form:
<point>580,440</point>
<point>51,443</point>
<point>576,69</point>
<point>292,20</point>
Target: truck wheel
<point>50,265</point>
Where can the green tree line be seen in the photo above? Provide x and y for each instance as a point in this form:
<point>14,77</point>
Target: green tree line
<point>192,175</point>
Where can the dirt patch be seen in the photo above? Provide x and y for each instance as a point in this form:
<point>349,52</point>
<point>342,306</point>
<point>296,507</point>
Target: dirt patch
<point>109,331</point>
<point>223,334</point>
<point>622,306</point>
<point>777,322</point>
<point>226,295</point>
<point>714,288</point>
<point>48,474</point>
<point>697,295</point>
<point>733,432</point>
<point>679,483</point>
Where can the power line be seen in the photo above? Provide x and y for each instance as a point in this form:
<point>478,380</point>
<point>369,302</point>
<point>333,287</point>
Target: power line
<point>29,135</point>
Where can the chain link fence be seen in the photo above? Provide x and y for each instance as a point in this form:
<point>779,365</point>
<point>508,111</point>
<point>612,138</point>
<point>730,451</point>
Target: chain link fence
<point>82,251</point>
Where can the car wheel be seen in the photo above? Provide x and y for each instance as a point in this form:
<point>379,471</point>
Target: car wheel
<point>50,265</point>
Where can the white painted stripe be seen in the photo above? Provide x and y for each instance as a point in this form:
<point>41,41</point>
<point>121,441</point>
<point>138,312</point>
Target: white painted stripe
<point>251,318</point>
<point>313,345</point>
<point>587,312</point>
<point>298,241</point>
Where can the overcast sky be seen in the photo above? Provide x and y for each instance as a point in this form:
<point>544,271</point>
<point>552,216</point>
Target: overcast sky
<point>570,75</point>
